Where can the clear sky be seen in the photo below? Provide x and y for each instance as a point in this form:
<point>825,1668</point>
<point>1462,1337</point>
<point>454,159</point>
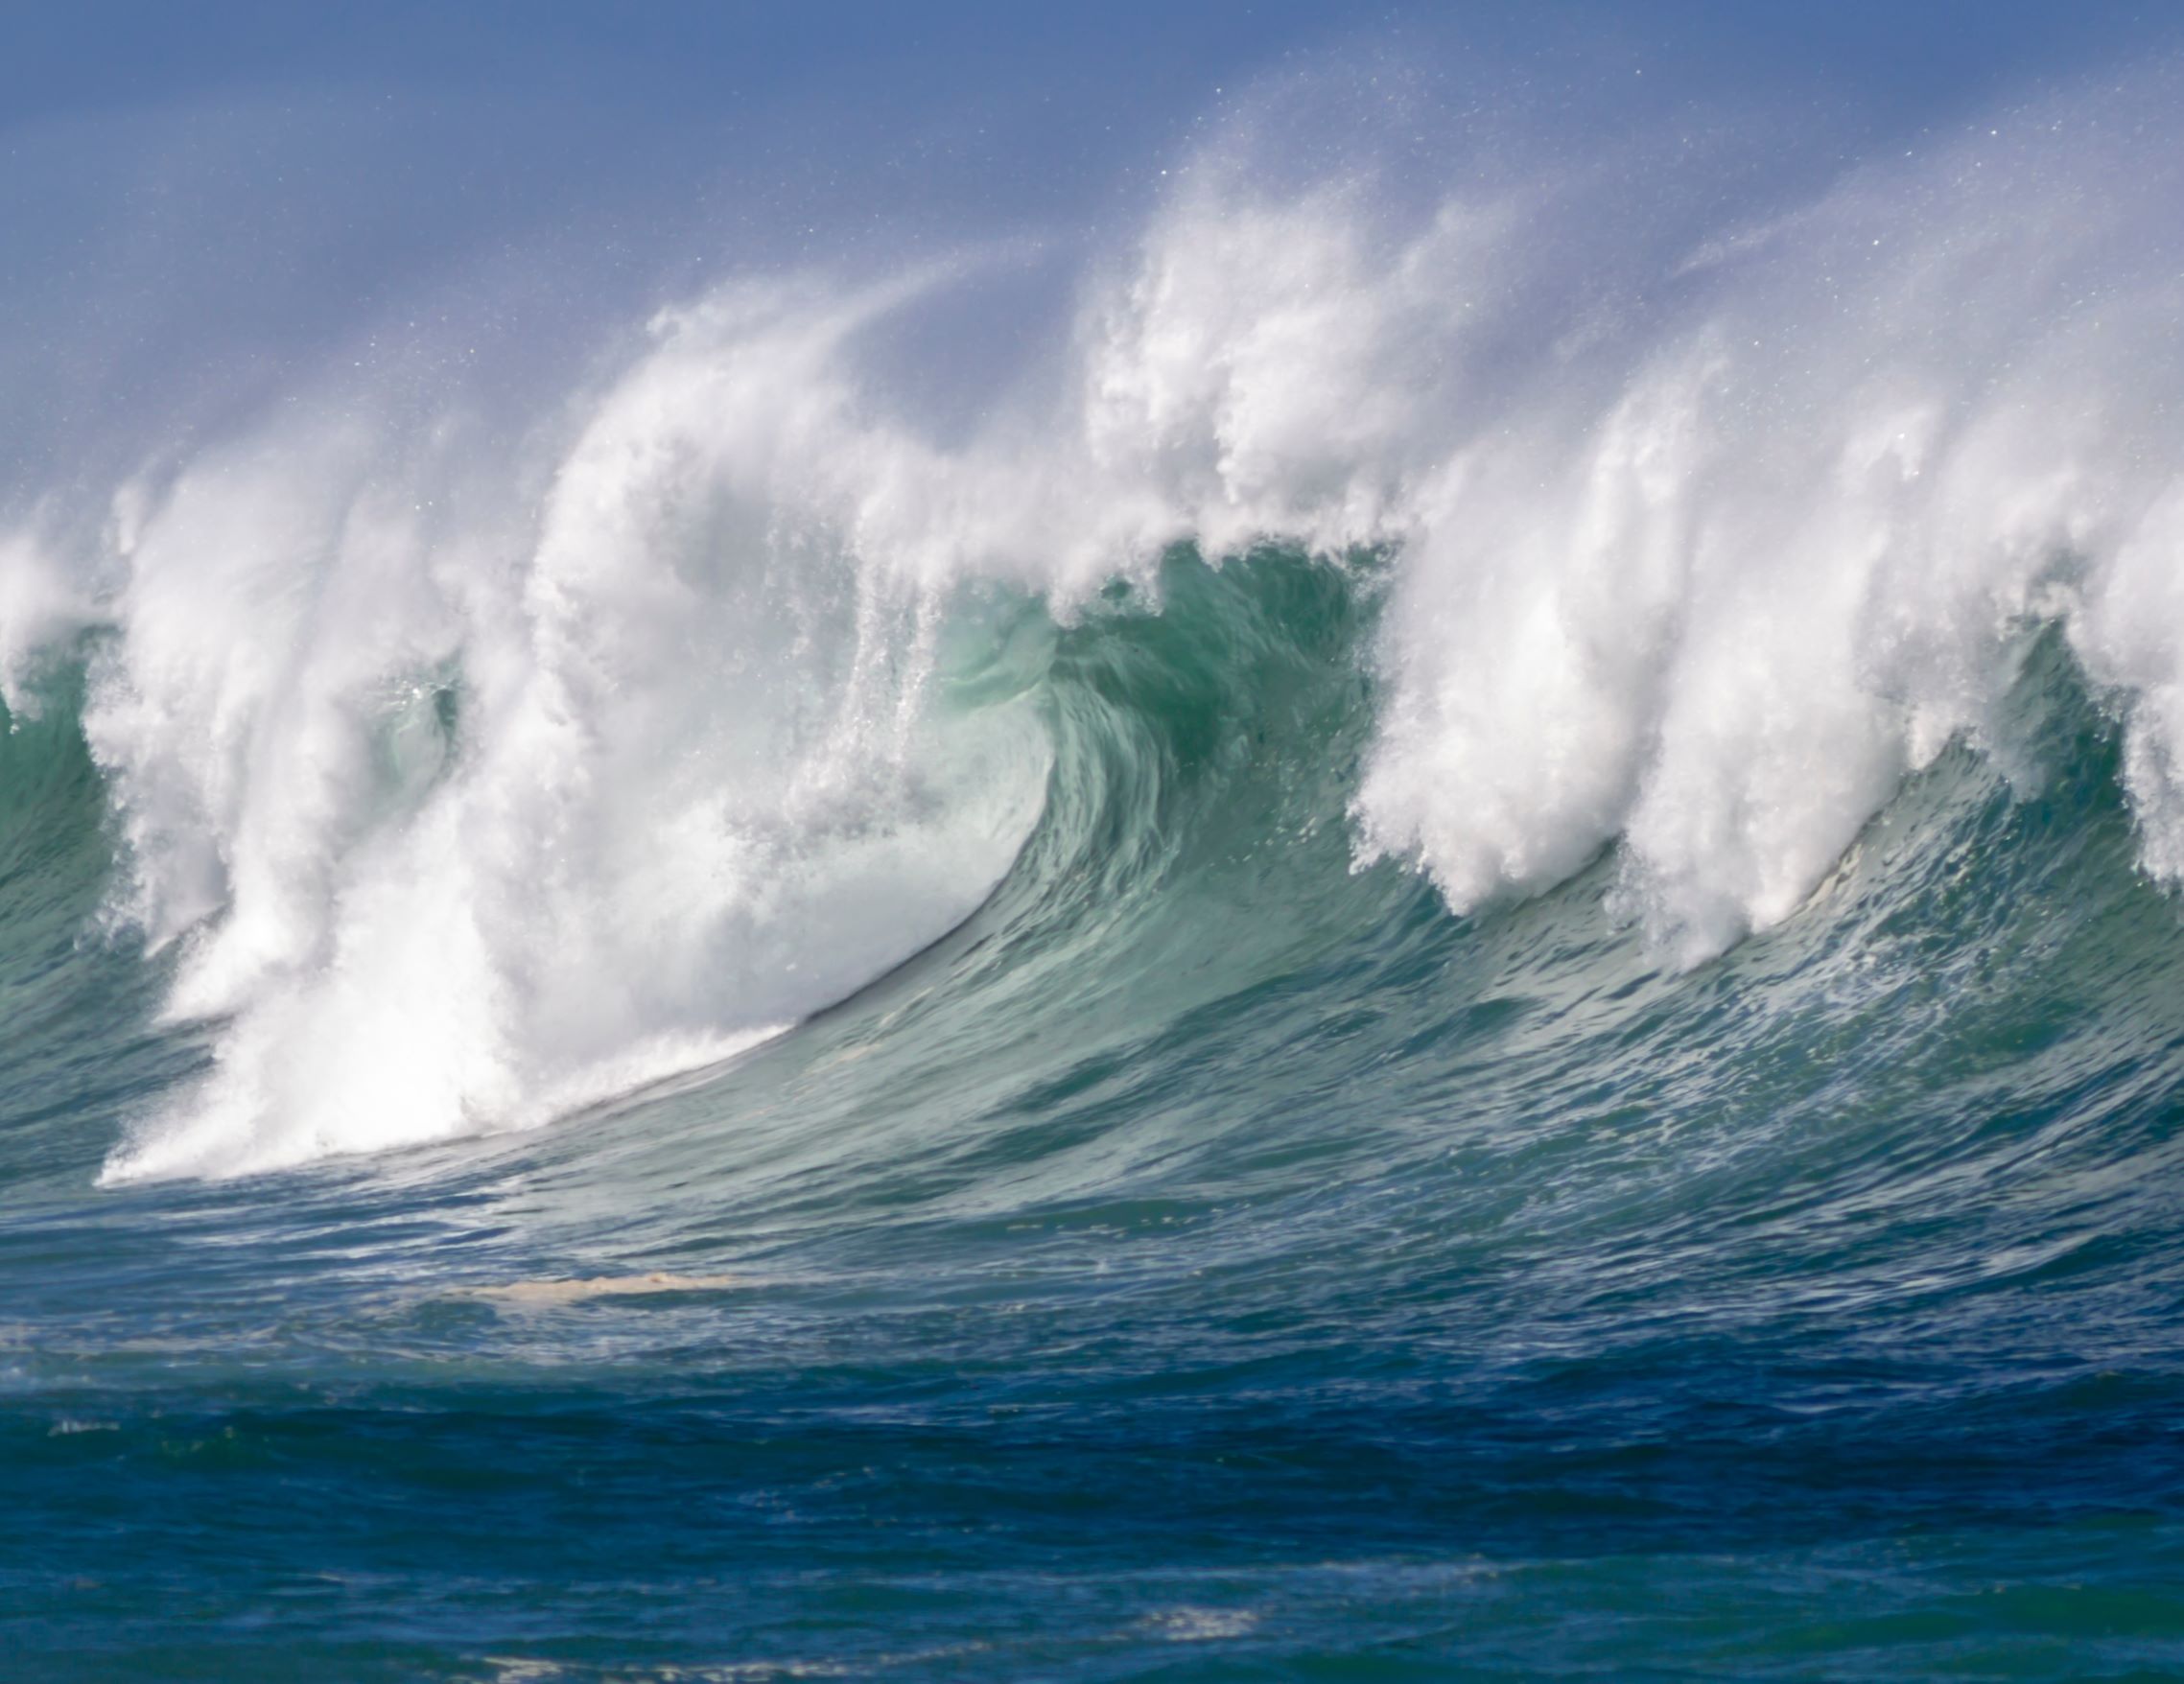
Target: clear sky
<point>1118,59</point>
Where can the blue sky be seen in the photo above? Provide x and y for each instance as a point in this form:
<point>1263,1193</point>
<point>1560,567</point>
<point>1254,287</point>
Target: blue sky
<point>673,57</point>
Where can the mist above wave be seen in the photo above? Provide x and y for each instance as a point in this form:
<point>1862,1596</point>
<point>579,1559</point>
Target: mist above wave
<point>470,777</point>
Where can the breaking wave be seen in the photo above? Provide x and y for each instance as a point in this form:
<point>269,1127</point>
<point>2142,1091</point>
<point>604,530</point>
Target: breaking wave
<point>453,777</point>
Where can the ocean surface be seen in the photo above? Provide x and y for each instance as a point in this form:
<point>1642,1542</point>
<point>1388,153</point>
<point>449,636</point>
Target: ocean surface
<point>1453,949</point>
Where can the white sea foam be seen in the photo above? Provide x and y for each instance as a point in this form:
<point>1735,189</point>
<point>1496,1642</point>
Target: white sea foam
<point>689,792</point>
<point>40,606</point>
<point>1703,534</point>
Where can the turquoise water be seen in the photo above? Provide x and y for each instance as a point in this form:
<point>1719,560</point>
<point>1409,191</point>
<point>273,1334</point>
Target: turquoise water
<point>1211,1258</point>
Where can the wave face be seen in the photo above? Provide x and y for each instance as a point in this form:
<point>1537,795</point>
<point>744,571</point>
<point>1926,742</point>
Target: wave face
<point>1452,938</point>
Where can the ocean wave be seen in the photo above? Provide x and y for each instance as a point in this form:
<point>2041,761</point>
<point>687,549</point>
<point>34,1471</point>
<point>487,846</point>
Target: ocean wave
<point>461,778</point>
